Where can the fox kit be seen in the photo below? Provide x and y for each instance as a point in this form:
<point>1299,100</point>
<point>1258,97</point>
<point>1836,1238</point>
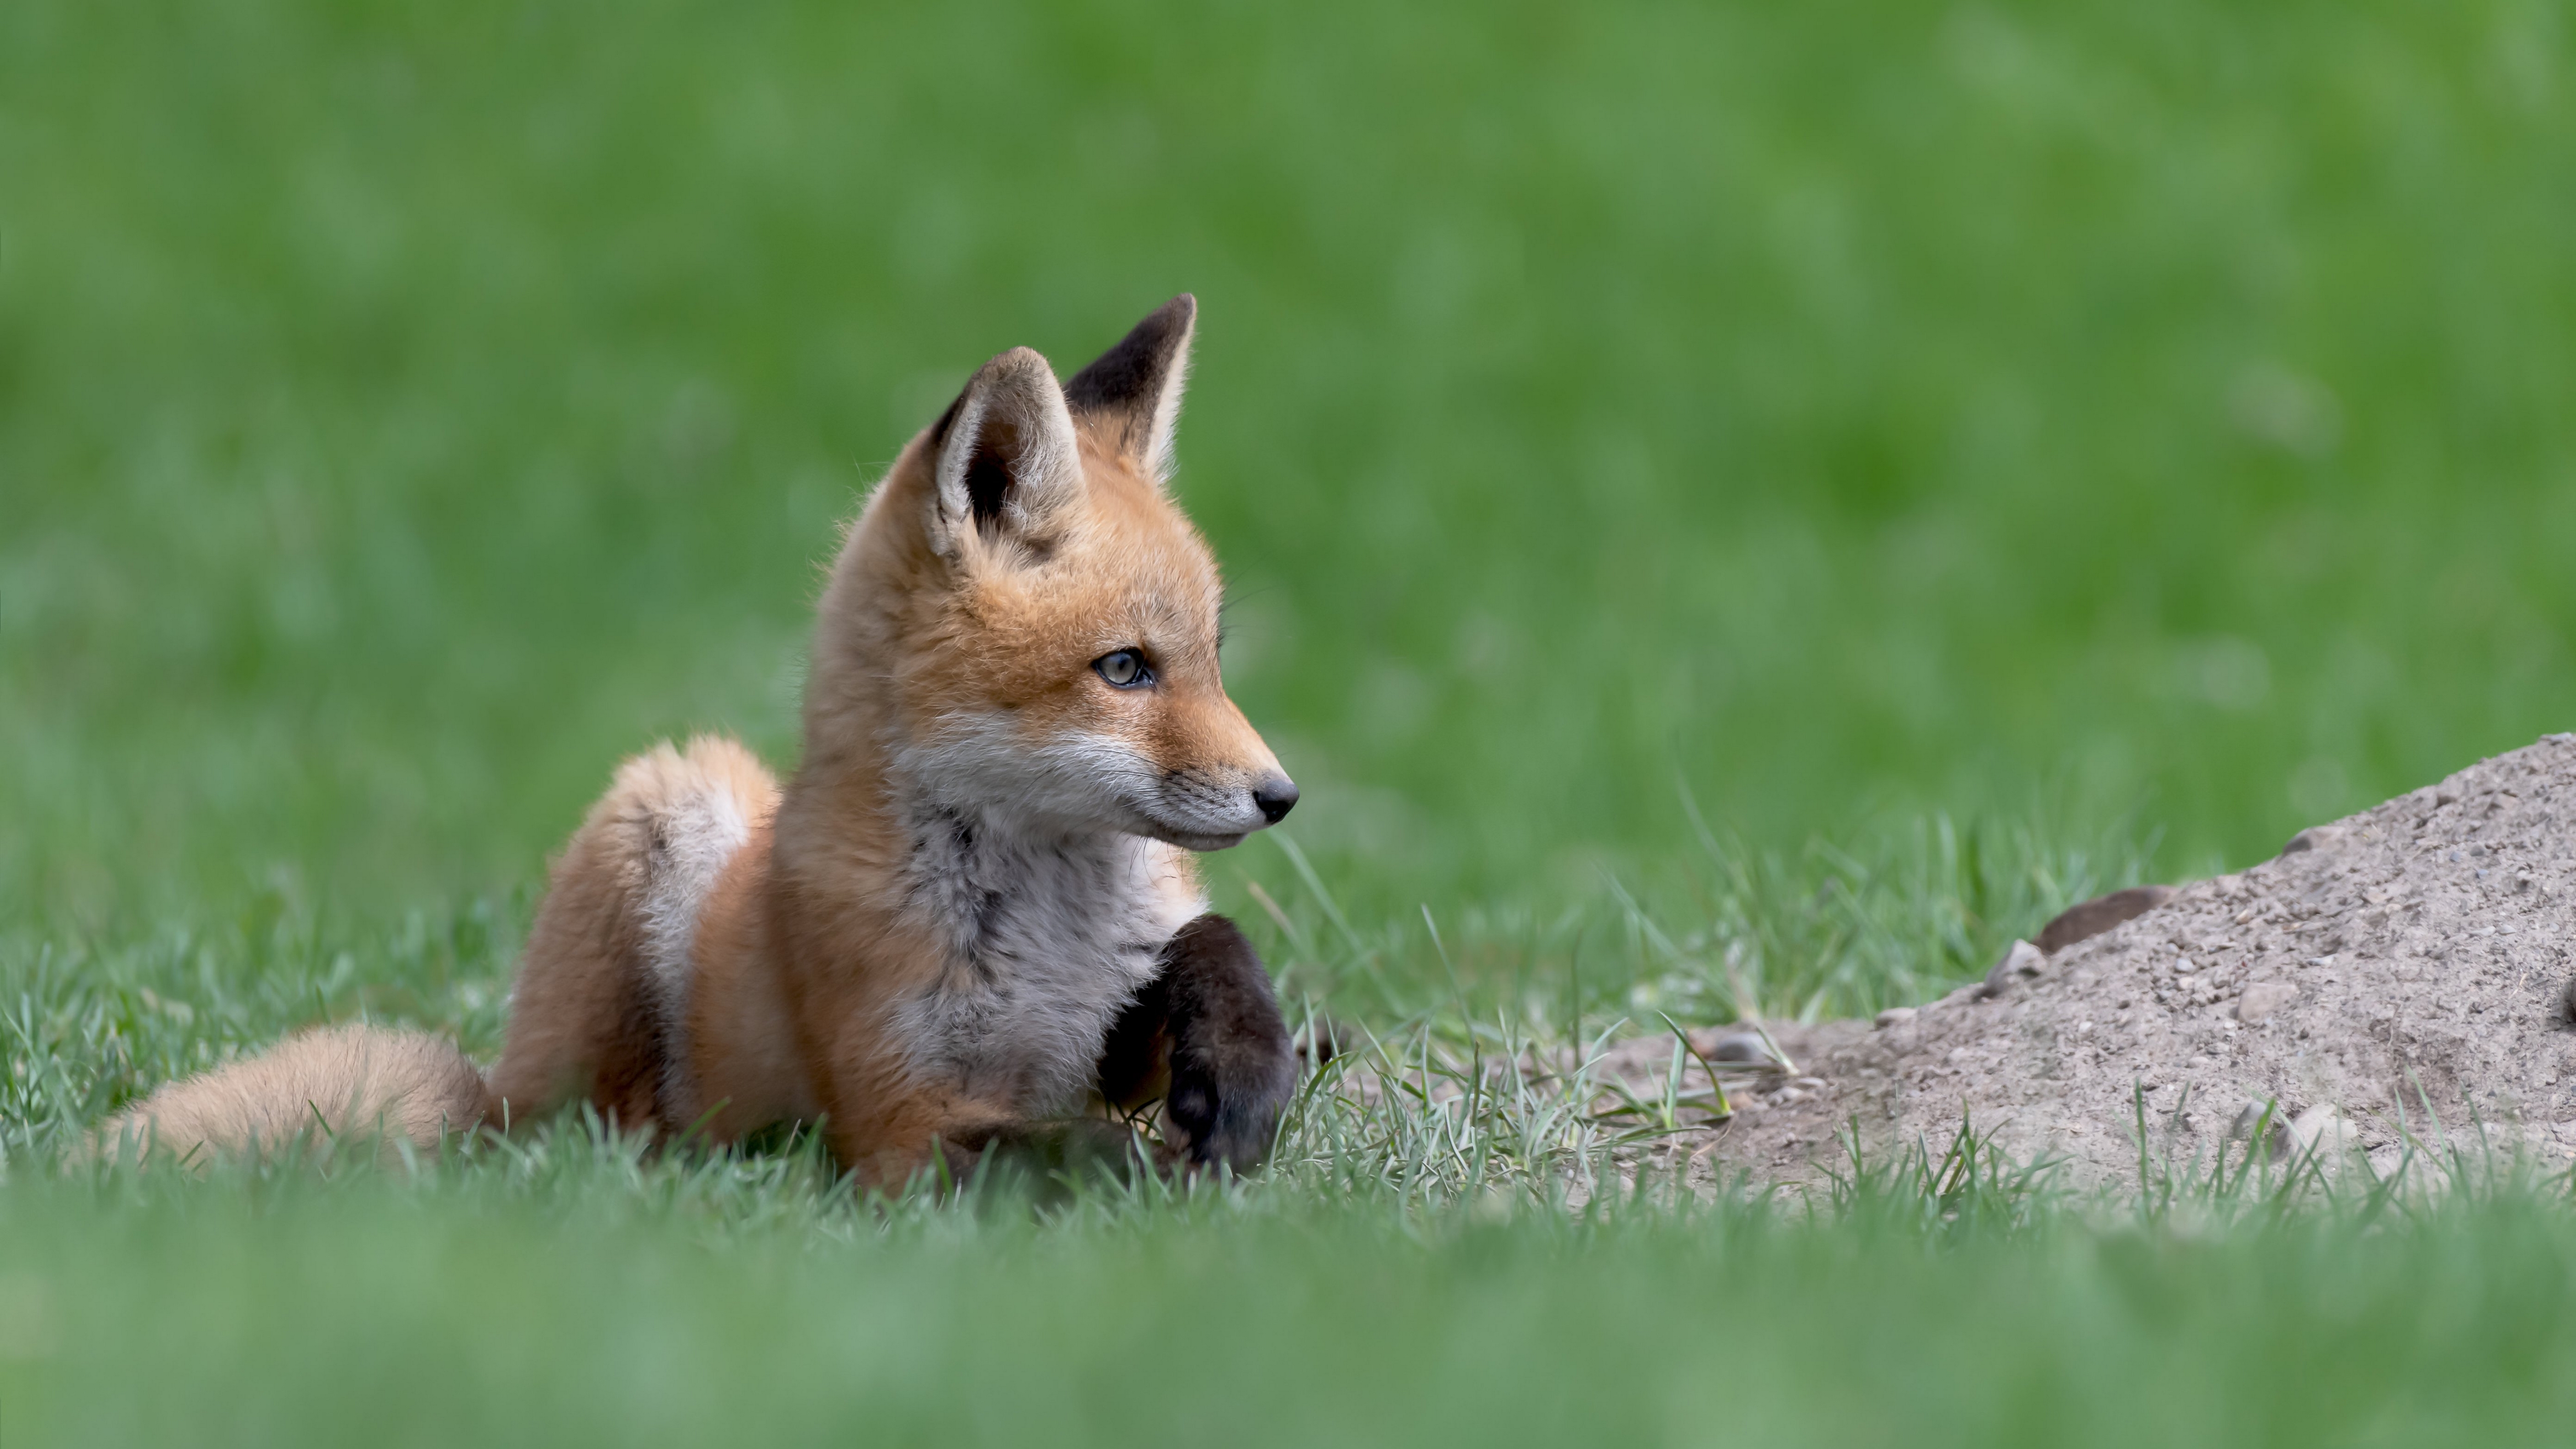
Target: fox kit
<point>972,910</point>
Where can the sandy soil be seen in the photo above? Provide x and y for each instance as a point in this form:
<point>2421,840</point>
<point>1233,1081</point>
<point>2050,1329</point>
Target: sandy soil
<point>2404,971</point>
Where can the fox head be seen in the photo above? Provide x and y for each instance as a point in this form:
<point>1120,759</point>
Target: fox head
<point>1048,619</point>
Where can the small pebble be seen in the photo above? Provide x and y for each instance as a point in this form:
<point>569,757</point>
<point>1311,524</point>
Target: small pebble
<point>2567,1002</point>
<point>2315,837</point>
<point>1743,1048</point>
<point>2276,1134</point>
<point>1895,1016</point>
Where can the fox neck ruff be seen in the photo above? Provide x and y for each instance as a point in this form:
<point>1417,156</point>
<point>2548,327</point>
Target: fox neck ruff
<point>1047,936</point>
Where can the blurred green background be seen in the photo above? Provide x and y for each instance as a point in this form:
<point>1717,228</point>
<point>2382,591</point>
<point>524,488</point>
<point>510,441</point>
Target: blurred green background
<point>2108,413</point>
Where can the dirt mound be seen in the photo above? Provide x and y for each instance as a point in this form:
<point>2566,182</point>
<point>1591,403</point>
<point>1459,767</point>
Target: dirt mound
<point>2402,971</point>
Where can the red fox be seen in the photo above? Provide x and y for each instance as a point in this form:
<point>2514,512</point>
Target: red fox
<point>970,912</point>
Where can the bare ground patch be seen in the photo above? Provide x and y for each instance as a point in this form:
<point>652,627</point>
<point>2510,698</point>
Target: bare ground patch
<point>2400,973</point>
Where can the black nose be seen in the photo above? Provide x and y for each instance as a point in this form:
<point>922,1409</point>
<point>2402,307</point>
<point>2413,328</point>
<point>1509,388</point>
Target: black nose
<point>1276,796</point>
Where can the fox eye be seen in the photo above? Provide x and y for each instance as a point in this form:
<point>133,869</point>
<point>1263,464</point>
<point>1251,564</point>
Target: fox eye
<point>1124,669</point>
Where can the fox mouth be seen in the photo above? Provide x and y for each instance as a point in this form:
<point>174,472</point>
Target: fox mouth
<point>1186,838</point>
<point>1196,840</point>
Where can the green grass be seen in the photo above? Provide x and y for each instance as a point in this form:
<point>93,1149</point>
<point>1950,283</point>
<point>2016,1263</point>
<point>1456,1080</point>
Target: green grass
<point>1726,507</point>
<point>571,1294</point>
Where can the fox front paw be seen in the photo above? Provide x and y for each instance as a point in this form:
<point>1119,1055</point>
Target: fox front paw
<point>1233,1067</point>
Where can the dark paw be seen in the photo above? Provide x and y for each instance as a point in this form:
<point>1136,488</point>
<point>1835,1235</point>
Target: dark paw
<point>1233,1068</point>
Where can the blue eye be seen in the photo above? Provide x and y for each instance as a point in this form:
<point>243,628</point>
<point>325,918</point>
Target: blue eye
<point>1124,669</point>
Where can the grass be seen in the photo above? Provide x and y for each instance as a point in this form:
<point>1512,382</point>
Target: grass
<point>540,1299</point>
<point>1486,1260</point>
<point>1726,507</point>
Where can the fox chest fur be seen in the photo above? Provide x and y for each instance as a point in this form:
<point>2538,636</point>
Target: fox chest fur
<point>1045,938</point>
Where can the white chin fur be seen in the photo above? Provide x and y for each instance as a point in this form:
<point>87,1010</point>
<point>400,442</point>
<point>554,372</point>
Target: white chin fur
<point>1078,782</point>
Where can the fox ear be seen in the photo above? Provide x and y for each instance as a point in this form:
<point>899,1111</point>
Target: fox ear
<point>1133,391</point>
<point>1006,453</point>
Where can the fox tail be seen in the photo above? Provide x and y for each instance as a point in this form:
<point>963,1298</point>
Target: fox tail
<point>330,1084</point>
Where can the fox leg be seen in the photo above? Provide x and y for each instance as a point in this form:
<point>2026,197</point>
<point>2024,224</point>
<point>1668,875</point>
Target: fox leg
<point>600,1008</point>
<point>581,1026</point>
<point>1206,1036</point>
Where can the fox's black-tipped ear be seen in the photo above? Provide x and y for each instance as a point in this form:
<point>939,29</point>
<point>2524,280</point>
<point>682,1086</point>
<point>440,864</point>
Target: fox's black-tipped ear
<point>1006,454</point>
<point>1133,390</point>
